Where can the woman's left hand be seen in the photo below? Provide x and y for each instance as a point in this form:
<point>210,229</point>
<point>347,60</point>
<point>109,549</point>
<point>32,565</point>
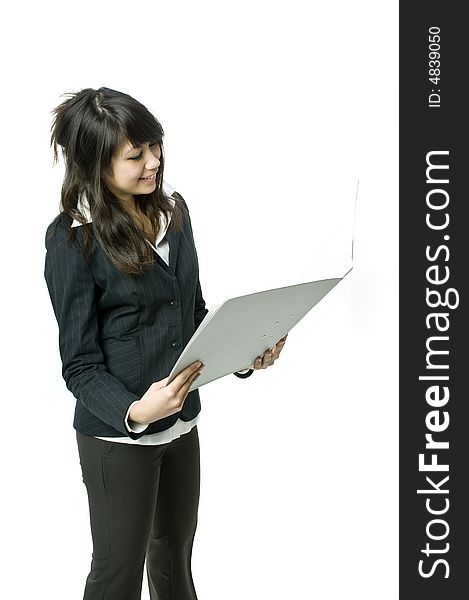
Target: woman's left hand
<point>269,356</point>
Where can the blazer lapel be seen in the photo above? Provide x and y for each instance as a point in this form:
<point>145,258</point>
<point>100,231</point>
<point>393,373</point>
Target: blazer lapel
<point>173,241</point>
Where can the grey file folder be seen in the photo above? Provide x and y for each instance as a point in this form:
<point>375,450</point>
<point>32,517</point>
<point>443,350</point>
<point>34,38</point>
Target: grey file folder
<point>234,333</point>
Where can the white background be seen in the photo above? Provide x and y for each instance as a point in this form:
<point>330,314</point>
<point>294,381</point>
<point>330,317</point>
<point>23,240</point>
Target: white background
<point>271,112</point>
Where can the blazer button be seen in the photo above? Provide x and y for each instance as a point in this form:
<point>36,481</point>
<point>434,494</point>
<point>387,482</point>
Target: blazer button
<point>175,345</point>
<point>173,303</point>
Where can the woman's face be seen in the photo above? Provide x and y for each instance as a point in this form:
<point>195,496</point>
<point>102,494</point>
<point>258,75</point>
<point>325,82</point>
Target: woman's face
<point>133,170</point>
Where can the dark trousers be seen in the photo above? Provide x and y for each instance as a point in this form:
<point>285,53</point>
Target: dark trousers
<point>143,503</point>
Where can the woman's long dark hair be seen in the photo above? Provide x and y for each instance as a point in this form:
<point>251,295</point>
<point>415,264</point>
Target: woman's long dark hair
<point>90,126</point>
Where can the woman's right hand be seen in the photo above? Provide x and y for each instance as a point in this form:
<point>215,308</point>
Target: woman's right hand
<point>161,401</point>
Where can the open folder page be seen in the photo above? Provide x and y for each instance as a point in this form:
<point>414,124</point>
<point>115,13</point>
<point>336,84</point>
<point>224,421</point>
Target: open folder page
<point>233,334</point>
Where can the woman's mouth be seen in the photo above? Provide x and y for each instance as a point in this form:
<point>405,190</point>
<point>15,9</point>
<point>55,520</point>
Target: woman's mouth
<point>149,179</point>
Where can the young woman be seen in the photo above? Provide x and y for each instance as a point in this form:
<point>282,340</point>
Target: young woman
<point>122,273</point>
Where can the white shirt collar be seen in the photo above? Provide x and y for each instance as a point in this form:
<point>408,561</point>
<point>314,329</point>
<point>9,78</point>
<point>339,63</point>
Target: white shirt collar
<point>84,208</point>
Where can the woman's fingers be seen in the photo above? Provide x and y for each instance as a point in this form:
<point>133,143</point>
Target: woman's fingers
<point>280,344</point>
<point>185,388</point>
<point>185,375</point>
<point>182,382</point>
<point>264,361</point>
<point>269,356</point>
<point>278,347</point>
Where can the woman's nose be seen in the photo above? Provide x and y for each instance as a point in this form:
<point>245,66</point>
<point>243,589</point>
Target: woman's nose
<point>152,161</point>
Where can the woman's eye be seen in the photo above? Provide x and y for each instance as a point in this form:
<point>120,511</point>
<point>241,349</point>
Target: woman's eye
<point>141,153</point>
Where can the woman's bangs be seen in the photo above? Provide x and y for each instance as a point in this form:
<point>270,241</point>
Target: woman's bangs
<point>145,128</point>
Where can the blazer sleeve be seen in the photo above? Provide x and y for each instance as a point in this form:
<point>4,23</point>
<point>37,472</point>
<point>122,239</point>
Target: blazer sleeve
<point>244,374</point>
<point>199,311</point>
<point>72,292</point>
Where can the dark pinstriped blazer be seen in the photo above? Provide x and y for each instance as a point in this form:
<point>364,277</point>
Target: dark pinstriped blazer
<point>118,334</point>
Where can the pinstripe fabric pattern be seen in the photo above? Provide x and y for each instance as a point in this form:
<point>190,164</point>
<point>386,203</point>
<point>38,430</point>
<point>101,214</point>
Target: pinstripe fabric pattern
<point>117,333</point>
